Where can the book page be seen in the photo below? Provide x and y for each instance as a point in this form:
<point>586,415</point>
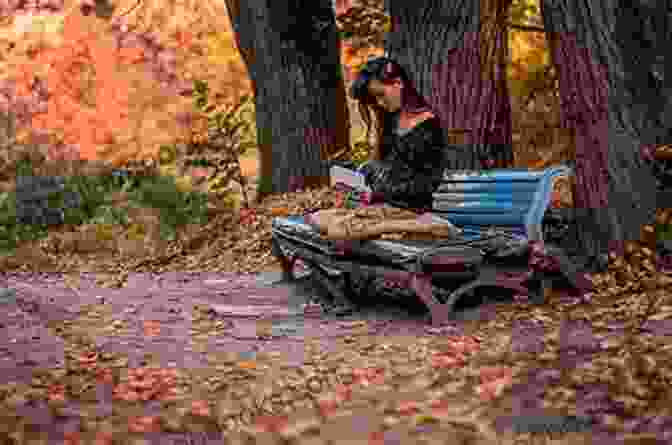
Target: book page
<point>351,178</point>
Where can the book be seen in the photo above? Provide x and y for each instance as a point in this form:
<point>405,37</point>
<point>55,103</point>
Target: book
<point>350,178</point>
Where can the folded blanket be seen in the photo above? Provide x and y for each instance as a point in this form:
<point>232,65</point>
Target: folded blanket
<point>373,222</point>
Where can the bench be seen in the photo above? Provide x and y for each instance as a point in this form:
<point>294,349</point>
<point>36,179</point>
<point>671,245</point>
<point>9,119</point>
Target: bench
<point>501,213</point>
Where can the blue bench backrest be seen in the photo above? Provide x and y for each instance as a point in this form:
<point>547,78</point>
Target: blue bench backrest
<point>512,198</point>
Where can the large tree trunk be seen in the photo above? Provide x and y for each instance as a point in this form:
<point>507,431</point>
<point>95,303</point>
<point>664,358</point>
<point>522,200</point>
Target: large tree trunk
<point>456,53</point>
<point>615,192</point>
<point>293,58</point>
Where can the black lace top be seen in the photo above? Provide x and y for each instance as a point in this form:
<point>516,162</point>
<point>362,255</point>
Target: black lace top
<point>412,164</point>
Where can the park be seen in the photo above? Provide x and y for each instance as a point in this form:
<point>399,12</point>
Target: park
<point>316,222</point>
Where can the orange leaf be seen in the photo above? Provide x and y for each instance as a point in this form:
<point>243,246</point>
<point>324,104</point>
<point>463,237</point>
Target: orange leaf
<point>247,364</point>
<point>279,211</point>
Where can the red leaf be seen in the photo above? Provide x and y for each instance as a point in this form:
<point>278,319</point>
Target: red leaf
<point>408,408</point>
<point>447,361</point>
<point>492,373</point>
<point>200,408</point>
<point>271,424</point>
<point>343,6</point>
<point>377,438</point>
<point>72,438</point>
<point>144,424</point>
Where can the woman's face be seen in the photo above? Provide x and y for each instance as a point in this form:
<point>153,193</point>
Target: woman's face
<point>387,96</point>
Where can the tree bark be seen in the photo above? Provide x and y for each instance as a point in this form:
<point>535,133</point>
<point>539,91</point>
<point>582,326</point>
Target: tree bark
<point>456,54</point>
<point>615,190</point>
<point>293,58</point>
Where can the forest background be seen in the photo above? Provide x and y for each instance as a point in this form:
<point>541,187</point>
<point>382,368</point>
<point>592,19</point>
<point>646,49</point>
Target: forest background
<point>161,86</point>
<point>211,56</point>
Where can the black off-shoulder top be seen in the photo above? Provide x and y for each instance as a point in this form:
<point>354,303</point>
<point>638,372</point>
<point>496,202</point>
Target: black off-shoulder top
<point>412,164</point>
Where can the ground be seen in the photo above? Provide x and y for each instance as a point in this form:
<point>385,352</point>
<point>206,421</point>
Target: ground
<point>120,344</point>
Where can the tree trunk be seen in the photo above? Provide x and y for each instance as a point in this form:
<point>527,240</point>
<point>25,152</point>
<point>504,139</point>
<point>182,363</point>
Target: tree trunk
<point>615,191</point>
<point>293,58</point>
<point>456,53</point>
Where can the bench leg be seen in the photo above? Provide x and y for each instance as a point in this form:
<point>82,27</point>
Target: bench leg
<point>422,285</point>
<point>287,264</point>
<point>442,312</point>
<point>342,304</point>
<point>570,269</point>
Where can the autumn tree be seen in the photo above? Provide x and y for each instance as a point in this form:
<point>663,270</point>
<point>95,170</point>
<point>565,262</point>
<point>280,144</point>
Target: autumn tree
<point>292,53</point>
<point>456,53</point>
<point>613,110</point>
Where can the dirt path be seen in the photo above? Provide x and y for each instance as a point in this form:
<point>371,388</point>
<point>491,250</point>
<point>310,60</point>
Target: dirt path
<point>246,315</point>
<point>84,345</point>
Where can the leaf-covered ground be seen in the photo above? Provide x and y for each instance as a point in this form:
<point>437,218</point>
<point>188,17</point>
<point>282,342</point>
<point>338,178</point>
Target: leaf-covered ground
<point>123,347</point>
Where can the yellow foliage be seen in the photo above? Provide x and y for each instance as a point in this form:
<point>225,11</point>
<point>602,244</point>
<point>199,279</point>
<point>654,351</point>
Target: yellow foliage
<point>135,232</point>
<point>104,232</point>
<point>168,169</point>
<point>221,50</point>
<point>184,184</point>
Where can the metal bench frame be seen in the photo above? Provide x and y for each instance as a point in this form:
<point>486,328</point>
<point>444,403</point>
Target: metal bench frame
<point>415,275</point>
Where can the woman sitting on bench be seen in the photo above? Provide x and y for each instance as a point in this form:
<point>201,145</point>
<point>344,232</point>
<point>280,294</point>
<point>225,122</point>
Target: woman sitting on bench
<point>407,163</point>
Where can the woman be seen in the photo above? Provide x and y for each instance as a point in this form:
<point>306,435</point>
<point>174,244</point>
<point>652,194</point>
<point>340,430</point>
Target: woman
<point>406,165</point>
<point>407,162</point>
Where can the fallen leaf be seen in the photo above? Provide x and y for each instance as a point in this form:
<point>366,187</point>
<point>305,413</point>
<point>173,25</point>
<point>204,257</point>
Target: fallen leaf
<point>446,361</point>
<point>151,328</point>
<point>279,211</point>
<point>72,438</point>
<point>200,408</point>
<point>377,438</point>
<point>103,438</point>
<point>493,381</point>
<point>271,424</point>
<point>492,373</point>
<point>327,404</point>
<point>247,365</point>
<point>104,375</point>
<point>144,424</point>
<point>408,408</point>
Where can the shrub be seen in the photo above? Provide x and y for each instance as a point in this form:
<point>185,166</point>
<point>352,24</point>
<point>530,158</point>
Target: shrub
<point>220,135</point>
<point>177,208</point>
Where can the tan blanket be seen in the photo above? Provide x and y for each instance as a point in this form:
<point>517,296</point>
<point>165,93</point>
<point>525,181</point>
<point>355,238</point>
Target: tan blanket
<point>373,222</point>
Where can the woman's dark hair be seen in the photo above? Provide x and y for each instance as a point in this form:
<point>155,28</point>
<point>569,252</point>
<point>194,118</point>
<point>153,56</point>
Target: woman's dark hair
<point>386,71</point>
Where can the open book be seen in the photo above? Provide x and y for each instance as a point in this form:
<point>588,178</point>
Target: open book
<point>350,178</point>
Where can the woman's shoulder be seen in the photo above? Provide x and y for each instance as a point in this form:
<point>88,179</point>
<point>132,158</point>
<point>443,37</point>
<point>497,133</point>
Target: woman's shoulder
<point>425,116</point>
